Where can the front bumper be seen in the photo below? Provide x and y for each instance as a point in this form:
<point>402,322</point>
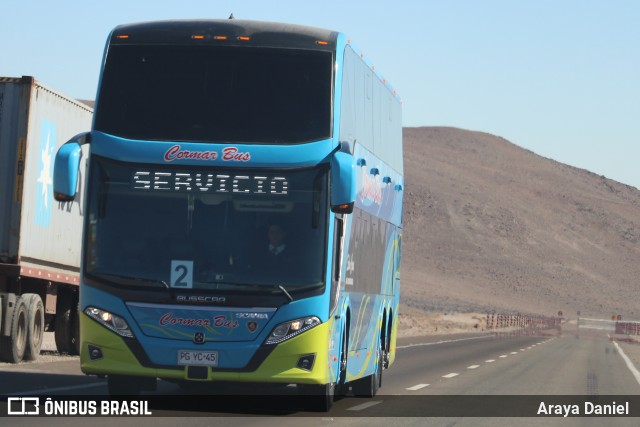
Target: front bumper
<point>126,357</point>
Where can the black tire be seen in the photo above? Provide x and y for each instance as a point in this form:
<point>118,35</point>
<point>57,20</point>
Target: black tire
<point>342,387</point>
<point>387,347</point>
<point>317,398</point>
<point>12,348</point>
<point>67,327</point>
<point>381,361</point>
<point>35,325</point>
<point>123,386</point>
<point>75,329</point>
<point>369,385</point>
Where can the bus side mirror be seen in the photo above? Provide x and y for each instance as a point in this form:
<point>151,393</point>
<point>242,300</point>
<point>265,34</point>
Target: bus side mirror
<point>343,183</point>
<point>66,167</point>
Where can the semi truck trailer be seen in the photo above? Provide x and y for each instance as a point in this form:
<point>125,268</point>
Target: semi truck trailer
<point>40,238</point>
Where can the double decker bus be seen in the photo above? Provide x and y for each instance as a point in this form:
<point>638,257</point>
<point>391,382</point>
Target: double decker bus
<point>242,197</point>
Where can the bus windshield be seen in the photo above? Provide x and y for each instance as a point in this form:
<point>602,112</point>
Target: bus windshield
<point>190,228</point>
<point>216,94</point>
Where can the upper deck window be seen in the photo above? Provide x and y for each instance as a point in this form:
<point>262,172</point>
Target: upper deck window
<point>216,94</point>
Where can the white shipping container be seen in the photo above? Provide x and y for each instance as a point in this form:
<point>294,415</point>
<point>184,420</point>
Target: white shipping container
<point>37,233</point>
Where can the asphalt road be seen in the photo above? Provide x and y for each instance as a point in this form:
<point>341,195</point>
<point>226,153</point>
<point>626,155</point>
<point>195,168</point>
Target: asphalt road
<point>435,381</point>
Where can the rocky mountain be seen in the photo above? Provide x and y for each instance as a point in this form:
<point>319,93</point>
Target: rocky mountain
<point>491,226</point>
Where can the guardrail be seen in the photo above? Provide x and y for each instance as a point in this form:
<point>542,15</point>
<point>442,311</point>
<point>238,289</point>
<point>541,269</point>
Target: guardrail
<point>627,328</point>
<point>521,323</point>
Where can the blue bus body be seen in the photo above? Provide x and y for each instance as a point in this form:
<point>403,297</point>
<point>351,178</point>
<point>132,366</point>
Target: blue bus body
<point>188,174</point>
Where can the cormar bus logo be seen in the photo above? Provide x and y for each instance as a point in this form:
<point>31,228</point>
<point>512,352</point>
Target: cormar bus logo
<point>229,154</point>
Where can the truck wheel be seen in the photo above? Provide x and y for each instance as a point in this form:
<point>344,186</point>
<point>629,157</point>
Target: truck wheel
<point>67,324</point>
<point>12,348</point>
<point>35,325</point>
<point>75,329</point>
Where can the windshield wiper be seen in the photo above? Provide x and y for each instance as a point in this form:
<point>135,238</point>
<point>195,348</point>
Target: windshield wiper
<point>307,288</point>
<point>264,287</point>
<point>282,288</point>
<point>124,280</point>
<point>289,291</point>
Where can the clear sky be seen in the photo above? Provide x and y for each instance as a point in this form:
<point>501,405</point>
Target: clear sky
<point>559,77</point>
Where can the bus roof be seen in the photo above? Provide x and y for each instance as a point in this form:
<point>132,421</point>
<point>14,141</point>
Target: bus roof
<point>225,32</point>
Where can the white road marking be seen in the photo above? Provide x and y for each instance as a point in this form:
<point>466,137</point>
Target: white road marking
<point>364,406</point>
<point>451,375</point>
<point>473,366</point>
<point>514,352</point>
<point>503,356</point>
<point>490,361</point>
<point>55,389</point>
<point>522,349</point>
<point>418,387</point>
<point>629,363</point>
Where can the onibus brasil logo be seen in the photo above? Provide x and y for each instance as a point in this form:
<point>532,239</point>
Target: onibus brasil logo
<point>48,406</point>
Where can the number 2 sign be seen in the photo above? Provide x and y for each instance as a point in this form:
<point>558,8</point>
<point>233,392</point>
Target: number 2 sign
<point>182,274</point>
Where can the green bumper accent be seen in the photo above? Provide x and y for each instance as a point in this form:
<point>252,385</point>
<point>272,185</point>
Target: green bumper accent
<point>278,367</point>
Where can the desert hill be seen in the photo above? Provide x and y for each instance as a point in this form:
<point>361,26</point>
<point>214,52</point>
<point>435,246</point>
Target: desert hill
<point>491,226</point>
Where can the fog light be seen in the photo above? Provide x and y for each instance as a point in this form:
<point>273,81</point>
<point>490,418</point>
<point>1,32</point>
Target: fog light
<point>95,353</point>
<point>306,362</point>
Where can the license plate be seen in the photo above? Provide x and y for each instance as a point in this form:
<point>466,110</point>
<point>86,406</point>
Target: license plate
<point>204,358</point>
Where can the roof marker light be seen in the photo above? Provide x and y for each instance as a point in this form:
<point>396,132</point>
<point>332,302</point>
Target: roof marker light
<point>219,37</point>
<point>322,42</point>
<point>244,38</point>
<point>197,37</point>
<point>122,36</point>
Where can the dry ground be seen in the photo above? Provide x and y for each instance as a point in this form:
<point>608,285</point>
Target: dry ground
<point>489,226</point>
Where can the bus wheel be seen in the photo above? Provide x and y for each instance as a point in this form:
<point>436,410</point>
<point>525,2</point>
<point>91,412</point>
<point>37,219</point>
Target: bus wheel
<point>381,361</point>
<point>120,385</point>
<point>12,347</point>
<point>35,325</point>
<point>342,387</point>
<point>387,348</point>
<point>369,385</point>
<point>317,398</point>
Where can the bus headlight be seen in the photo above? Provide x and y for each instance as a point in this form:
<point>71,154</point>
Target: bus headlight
<point>110,321</point>
<point>287,330</point>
